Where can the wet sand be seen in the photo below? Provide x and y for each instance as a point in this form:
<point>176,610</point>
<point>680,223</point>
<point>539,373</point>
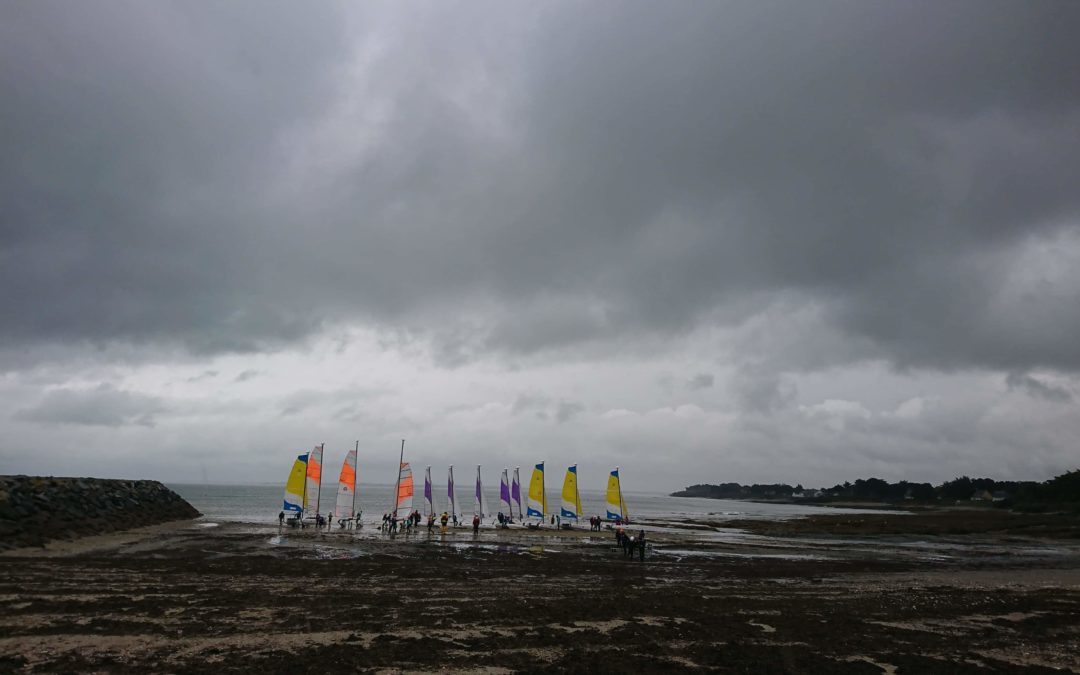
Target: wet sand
<point>238,598</point>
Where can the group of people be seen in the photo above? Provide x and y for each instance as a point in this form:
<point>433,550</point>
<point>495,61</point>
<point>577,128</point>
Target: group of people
<point>630,543</point>
<point>320,521</point>
<point>390,522</point>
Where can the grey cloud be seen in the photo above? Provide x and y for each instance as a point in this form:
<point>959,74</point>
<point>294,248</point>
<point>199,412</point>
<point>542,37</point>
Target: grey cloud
<point>561,176</point>
<point>762,391</point>
<point>545,408</point>
<point>568,410</point>
<point>205,375</point>
<point>701,381</point>
<point>1037,388</point>
<point>104,406</point>
<point>246,375</point>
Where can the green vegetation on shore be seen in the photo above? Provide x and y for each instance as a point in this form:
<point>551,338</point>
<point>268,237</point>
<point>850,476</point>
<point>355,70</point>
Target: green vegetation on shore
<point>1059,493</point>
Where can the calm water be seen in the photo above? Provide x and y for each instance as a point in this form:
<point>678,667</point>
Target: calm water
<point>262,503</point>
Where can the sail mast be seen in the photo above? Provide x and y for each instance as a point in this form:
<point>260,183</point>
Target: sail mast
<point>356,461</point>
<point>303,502</point>
<point>397,485</point>
<point>543,492</point>
<point>622,503</point>
<point>479,495</point>
<point>577,493</point>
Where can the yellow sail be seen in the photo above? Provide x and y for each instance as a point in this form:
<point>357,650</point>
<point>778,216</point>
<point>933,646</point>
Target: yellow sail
<point>571,501</point>
<point>294,486</point>
<point>537,497</point>
<point>616,507</point>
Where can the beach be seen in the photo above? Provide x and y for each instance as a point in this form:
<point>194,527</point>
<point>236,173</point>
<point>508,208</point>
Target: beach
<point>199,596</point>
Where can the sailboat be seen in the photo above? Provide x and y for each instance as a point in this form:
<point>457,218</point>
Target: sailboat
<point>571,498</point>
<point>345,509</point>
<point>478,509</point>
<point>404,490</point>
<point>515,494</point>
<point>537,494</point>
<point>505,508</point>
<point>429,501</point>
<point>616,505</point>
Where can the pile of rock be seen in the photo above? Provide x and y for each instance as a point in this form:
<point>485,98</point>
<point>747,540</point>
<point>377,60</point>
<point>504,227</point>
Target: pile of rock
<point>34,510</point>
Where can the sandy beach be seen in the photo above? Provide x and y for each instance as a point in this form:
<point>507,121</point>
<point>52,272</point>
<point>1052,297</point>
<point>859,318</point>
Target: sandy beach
<point>203,597</point>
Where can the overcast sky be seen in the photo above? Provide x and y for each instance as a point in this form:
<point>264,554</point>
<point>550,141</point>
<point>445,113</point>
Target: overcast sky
<point>707,241</point>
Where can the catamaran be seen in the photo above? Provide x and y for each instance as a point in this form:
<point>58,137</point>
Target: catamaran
<point>537,494</point>
<point>616,505</point>
<point>345,509</point>
<point>571,498</point>
<point>515,493</point>
<point>506,510</point>
<point>304,485</point>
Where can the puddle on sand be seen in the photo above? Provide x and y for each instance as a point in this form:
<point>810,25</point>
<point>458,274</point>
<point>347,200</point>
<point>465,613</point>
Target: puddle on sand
<point>688,553</point>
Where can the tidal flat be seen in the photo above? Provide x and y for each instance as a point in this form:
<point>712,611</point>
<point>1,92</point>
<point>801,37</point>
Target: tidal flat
<point>200,596</point>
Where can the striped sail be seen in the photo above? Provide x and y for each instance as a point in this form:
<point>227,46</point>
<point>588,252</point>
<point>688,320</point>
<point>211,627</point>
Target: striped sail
<point>405,489</point>
<point>346,495</point>
<point>451,500</point>
<point>515,492</point>
<point>314,479</point>
<point>429,502</point>
<point>478,508</point>
<point>616,507</point>
<point>294,486</point>
<point>504,496</point>
<point>571,502</point>
<point>537,498</point>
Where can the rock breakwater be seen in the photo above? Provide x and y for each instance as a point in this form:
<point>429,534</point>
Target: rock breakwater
<point>35,510</point>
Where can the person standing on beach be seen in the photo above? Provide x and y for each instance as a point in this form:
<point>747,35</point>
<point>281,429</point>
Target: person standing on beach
<point>476,524</point>
<point>281,518</point>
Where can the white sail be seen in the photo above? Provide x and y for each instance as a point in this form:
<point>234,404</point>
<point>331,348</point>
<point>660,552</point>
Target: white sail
<point>346,496</point>
<point>451,498</point>
<point>515,492</point>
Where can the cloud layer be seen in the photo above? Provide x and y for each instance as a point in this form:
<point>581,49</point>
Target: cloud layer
<point>732,197</point>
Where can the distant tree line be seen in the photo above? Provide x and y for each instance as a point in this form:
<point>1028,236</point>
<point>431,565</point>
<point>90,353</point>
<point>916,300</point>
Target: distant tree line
<point>1033,495</point>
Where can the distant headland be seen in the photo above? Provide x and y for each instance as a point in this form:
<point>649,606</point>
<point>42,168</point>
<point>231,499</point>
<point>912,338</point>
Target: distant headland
<point>1059,492</point>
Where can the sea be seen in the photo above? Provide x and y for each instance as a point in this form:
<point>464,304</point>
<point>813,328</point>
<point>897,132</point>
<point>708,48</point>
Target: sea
<point>260,504</point>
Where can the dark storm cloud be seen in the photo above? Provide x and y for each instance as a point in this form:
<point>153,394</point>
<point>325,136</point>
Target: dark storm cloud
<point>509,181</point>
<point>104,406</point>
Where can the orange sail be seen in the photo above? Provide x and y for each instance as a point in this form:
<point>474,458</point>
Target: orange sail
<point>405,489</point>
